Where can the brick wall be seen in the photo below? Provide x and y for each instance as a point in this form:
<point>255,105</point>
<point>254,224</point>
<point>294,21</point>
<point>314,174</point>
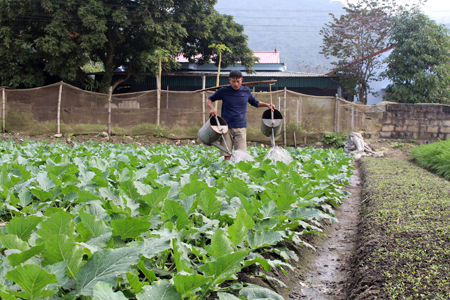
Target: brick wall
<point>416,121</point>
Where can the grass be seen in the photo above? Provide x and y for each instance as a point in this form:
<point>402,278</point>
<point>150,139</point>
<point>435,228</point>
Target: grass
<point>406,225</point>
<point>435,157</point>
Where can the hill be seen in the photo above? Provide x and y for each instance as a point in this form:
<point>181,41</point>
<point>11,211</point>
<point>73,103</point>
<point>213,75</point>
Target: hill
<point>290,26</point>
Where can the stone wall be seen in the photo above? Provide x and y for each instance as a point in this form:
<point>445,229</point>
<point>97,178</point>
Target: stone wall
<point>416,121</point>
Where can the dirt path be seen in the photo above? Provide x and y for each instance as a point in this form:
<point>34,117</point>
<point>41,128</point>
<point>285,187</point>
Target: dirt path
<point>325,273</point>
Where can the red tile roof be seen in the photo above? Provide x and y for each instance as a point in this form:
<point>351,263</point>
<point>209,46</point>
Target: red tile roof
<point>268,57</point>
<point>265,57</point>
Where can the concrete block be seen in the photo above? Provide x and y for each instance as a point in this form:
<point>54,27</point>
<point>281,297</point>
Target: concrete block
<point>446,109</point>
<point>445,129</point>
<point>411,122</point>
<point>385,134</point>
<point>436,123</point>
<point>426,135</point>
<point>430,115</point>
<point>394,107</point>
<point>443,116</point>
<point>411,135</point>
<point>386,121</point>
<point>434,108</point>
<point>403,115</point>
<point>446,123</point>
<point>401,128</point>
<point>433,129</point>
<point>413,128</point>
<point>417,115</point>
<point>388,128</point>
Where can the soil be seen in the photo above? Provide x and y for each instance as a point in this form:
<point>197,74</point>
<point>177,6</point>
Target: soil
<point>321,274</point>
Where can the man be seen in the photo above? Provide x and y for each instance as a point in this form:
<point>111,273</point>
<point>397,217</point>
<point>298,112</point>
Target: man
<point>234,111</point>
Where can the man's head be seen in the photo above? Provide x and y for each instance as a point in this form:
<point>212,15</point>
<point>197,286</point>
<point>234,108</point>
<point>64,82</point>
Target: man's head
<point>235,78</point>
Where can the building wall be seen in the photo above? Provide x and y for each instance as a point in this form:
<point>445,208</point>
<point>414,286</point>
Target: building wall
<point>416,121</point>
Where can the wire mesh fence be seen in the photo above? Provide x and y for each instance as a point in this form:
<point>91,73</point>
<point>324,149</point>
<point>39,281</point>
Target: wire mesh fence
<point>62,108</point>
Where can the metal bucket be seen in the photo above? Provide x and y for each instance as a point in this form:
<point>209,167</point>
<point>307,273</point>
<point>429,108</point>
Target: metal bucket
<point>271,123</point>
<point>212,130</point>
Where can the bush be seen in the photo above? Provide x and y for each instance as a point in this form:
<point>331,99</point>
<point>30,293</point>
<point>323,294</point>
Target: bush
<point>334,139</point>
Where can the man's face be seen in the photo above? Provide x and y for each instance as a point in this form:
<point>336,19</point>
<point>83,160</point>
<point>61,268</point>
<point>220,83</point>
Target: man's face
<point>235,82</point>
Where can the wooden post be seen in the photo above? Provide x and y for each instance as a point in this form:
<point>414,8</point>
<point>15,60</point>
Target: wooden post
<point>4,109</point>
<point>58,112</point>
<point>336,114</point>
<point>109,110</point>
<point>352,125</point>
<point>301,111</point>
<point>158,99</point>
<point>203,99</point>
<point>295,141</point>
<point>284,119</point>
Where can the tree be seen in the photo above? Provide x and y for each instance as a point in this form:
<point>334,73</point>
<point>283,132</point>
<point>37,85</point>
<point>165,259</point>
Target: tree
<point>42,38</point>
<point>419,65</point>
<point>356,36</point>
<point>218,49</point>
<point>353,38</point>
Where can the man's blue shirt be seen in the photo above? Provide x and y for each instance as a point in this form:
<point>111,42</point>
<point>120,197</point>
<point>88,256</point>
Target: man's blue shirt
<point>234,104</point>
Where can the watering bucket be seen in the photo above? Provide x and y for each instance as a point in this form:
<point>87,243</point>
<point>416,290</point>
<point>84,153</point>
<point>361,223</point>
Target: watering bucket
<point>268,122</point>
<point>211,131</point>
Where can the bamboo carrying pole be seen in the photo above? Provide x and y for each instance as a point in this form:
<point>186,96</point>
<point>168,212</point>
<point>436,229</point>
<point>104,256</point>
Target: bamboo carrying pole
<point>58,113</point>
<point>109,110</point>
<point>3,109</point>
<point>244,83</point>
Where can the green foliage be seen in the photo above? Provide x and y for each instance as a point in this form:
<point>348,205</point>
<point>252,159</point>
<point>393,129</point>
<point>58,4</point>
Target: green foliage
<point>418,66</point>
<point>435,157</point>
<point>47,40</point>
<point>334,138</point>
<point>352,38</point>
<point>105,221</point>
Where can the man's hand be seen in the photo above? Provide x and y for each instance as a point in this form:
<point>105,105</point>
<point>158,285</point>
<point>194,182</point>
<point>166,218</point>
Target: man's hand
<point>212,109</point>
<point>271,106</point>
<point>268,105</point>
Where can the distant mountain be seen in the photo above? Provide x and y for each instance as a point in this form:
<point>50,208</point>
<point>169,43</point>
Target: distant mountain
<point>290,26</point>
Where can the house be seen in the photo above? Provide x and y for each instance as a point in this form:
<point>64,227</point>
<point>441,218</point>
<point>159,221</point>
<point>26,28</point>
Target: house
<point>192,76</point>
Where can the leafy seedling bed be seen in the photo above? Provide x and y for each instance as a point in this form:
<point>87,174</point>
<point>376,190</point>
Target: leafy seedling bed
<point>404,243</point>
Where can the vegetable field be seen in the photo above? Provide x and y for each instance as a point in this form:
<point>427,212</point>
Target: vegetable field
<point>114,221</point>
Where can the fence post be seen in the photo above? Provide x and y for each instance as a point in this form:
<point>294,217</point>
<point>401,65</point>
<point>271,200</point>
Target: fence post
<point>158,100</point>
<point>3,109</point>
<point>109,110</point>
<point>353,112</point>
<point>284,119</point>
<point>336,114</point>
<point>58,113</point>
<point>203,99</point>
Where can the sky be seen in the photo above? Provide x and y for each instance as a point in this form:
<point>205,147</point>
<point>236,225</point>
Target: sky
<point>438,10</point>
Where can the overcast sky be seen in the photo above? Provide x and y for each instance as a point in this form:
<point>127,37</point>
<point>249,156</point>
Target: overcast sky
<point>438,10</point>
